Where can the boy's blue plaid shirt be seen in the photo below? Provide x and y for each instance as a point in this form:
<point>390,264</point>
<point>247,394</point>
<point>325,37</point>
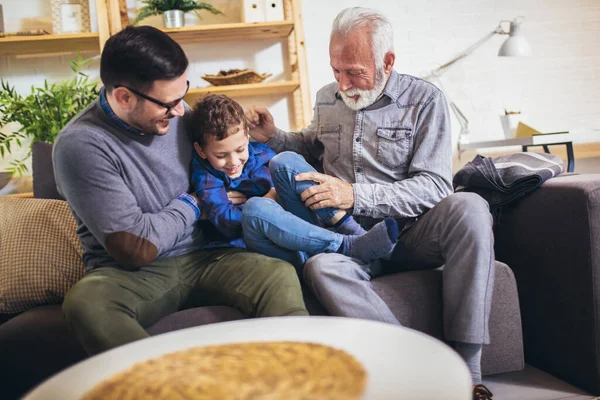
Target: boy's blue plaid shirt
<point>211,186</point>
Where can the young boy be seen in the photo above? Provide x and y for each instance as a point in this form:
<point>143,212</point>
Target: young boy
<point>226,161</point>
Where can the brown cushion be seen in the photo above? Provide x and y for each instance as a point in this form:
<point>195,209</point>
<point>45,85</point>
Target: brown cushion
<point>40,253</point>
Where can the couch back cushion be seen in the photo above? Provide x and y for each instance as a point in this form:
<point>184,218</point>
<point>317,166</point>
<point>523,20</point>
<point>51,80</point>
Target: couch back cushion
<point>44,184</point>
<point>40,253</point>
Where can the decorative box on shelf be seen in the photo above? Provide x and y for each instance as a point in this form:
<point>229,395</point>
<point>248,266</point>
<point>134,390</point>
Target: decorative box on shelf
<point>262,10</point>
<point>274,10</point>
<point>253,11</point>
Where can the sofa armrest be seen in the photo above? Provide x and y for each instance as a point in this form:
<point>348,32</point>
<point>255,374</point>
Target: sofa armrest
<point>551,240</point>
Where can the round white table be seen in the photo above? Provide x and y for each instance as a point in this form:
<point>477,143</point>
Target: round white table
<point>401,363</point>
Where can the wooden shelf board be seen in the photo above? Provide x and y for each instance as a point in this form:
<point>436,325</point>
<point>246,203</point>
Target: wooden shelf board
<point>44,44</point>
<point>236,31</point>
<point>254,89</point>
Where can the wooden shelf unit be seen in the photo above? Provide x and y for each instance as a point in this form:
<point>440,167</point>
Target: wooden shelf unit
<point>60,44</point>
<point>112,18</point>
<point>296,85</point>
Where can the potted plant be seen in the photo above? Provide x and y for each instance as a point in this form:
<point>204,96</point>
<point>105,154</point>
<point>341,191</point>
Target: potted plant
<point>43,112</point>
<point>173,11</point>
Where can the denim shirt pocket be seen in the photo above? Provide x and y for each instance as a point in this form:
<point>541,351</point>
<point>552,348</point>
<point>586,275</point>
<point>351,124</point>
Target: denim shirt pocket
<point>330,137</point>
<point>394,146</point>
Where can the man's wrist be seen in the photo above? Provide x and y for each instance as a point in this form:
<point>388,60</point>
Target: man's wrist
<point>363,197</point>
<point>192,202</point>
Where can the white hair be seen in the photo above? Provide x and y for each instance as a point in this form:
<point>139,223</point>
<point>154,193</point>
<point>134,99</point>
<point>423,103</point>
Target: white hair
<point>382,34</point>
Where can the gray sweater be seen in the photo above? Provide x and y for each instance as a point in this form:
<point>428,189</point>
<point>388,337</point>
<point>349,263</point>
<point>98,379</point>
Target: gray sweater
<point>128,192</point>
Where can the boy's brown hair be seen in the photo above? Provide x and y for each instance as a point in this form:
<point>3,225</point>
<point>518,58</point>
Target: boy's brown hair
<point>217,115</point>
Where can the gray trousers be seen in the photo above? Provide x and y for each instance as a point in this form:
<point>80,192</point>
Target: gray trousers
<point>456,233</point>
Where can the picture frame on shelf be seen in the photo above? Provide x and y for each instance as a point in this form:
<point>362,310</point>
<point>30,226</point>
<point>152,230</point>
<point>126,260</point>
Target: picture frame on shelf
<point>70,16</point>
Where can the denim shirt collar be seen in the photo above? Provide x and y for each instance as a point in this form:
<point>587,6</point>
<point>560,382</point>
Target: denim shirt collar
<point>113,117</point>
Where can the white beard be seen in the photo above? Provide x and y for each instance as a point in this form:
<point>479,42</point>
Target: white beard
<point>365,97</point>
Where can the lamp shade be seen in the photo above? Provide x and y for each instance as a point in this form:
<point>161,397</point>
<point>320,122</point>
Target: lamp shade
<point>515,45</point>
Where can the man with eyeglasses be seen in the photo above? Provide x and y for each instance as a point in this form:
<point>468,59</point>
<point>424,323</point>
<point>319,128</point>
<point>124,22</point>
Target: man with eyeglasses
<point>123,164</point>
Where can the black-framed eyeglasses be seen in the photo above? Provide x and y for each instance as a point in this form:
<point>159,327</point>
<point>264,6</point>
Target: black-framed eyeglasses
<point>168,106</point>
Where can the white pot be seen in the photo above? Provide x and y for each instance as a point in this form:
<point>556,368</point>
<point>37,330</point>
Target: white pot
<point>174,18</point>
<point>510,123</point>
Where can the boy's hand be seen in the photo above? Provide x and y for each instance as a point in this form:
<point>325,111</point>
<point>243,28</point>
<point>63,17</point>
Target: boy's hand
<point>236,197</point>
<point>261,123</point>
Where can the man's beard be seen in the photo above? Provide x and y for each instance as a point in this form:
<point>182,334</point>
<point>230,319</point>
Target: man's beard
<point>140,121</point>
<point>366,97</point>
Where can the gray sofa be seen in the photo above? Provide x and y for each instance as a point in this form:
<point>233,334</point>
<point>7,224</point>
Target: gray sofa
<point>37,343</point>
<point>554,271</point>
<point>551,240</point>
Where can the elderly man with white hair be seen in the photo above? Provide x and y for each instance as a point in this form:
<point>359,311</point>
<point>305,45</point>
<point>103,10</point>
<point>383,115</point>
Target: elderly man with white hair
<point>383,143</point>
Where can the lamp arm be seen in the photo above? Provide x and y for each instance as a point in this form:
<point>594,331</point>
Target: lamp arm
<point>437,72</point>
<point>460,116</point>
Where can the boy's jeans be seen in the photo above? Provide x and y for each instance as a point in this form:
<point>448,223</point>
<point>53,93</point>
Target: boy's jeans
<point>295,230</point>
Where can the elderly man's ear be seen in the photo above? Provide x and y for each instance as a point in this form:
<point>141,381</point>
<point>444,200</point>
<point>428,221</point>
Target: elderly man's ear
<point>388,61</point>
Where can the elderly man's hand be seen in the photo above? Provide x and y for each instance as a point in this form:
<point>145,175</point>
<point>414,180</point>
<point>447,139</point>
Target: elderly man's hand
<point>330,192</point>
<point>261,124</point>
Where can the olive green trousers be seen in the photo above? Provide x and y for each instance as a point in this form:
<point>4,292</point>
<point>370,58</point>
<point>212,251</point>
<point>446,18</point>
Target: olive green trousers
<point>111,306</point>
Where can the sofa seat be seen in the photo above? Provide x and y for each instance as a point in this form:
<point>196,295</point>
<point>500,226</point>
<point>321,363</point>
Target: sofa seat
<point>415,299</point>
<point>37,344</point>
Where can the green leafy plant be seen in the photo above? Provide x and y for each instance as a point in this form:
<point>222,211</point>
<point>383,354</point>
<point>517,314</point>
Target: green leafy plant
<point>43,112</point>
<point>158,7</point>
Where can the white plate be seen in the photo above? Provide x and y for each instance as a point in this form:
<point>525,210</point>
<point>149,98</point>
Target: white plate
<point>401,363</point>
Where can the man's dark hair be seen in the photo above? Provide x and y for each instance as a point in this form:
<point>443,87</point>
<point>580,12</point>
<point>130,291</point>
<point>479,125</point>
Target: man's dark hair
<point>216,115</point>
<point>139,55</point>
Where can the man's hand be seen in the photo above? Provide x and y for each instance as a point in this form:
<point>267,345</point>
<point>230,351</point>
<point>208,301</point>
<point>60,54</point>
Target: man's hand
<point>262,125</point>
<point>330,192</point>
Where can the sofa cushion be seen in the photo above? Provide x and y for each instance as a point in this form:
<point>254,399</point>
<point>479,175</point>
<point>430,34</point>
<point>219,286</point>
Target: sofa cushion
<point>415,298</point>
<point>44,184</point>
<point>195,317</point>
<point>38,343</point>
<point>551,240</point>
<point>40,253</point>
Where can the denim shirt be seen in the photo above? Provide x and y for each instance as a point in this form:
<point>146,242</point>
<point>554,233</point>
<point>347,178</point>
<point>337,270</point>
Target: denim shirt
<point>397,153</point>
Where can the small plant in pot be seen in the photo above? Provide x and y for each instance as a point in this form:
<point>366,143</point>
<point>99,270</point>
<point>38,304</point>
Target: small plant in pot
<point>42,113</point>
<point>173,11</point>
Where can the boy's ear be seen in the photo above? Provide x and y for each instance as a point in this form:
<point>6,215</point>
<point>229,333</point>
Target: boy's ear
<point>199,150</point>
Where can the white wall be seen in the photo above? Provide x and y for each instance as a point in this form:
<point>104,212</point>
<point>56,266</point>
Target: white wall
<point>558,87</point>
